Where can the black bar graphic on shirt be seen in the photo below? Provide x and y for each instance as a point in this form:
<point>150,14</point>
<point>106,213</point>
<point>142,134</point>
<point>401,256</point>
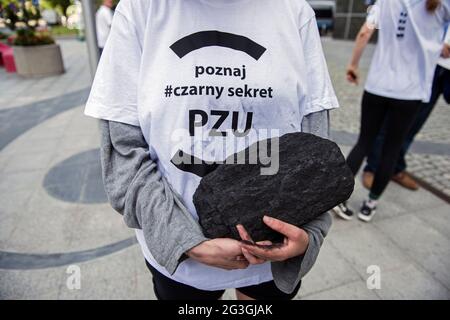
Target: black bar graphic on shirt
<point>194,165</point>
<point>203,39</point>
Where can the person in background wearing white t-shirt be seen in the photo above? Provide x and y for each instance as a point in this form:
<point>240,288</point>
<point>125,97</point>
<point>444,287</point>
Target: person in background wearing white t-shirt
<point>441,82</point>
<point>162,79</point>
<point>103,20</point>
<point>399,81</point>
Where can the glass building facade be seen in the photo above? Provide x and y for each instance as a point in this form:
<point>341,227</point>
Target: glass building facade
<point>349,17</point>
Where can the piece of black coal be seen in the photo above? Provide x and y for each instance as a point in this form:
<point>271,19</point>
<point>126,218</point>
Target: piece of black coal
<point>313,177</point>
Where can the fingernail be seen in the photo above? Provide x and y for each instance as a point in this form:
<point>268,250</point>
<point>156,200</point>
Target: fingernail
<point>267,218</point>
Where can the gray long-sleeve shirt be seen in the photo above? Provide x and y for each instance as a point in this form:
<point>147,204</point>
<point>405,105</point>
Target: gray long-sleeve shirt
<point>138,191</point>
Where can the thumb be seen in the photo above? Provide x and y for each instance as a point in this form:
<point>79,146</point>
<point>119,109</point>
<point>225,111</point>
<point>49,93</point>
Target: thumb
<point>288,230</point>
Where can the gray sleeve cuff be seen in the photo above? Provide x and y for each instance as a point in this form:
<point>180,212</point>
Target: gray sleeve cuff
<point>287,274</point>
<point>179,253</point>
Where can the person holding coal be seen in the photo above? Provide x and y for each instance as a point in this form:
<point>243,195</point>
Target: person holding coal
<point>154,47</point>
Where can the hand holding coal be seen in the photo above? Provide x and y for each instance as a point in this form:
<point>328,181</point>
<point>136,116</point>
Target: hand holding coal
<point>312,178</point>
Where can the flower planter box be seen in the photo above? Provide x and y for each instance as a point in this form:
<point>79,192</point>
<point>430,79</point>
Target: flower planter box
<point>38,61</point>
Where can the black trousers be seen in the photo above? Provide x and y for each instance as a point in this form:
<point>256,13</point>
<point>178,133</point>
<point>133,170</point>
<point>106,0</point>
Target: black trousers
<point>168,289</point>
<point>440,83</point>
<point>398,117</point>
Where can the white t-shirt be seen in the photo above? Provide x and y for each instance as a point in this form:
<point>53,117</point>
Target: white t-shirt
<point>408,49</point>
<point>176,67</point>
<point>103,20</point>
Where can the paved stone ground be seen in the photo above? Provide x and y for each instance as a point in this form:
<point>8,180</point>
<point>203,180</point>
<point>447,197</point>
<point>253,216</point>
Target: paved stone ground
<point>16,91</point>
<point>53,211</point>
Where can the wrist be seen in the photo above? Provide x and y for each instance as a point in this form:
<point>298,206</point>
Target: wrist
<point>305,243</point>
<point>200,251</point>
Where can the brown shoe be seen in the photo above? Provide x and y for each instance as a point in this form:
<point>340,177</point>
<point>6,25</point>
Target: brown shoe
<point>406,181</point>
<point>367,179</point>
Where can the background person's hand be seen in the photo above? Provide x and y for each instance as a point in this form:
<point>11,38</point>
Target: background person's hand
<point>220,253</point>
<point>352,74</point>
<point>295,242</point>
<point>446,51</point>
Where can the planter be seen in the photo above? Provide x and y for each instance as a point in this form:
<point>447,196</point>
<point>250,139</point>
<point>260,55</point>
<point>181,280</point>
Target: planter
<point>38,61</point>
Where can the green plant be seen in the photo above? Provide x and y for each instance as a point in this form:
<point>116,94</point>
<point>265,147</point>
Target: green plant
<point>21,14</point>
<point>26,37</point>
<point>63,31</point>
<point>23,17</point>
<point>61,5</point>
